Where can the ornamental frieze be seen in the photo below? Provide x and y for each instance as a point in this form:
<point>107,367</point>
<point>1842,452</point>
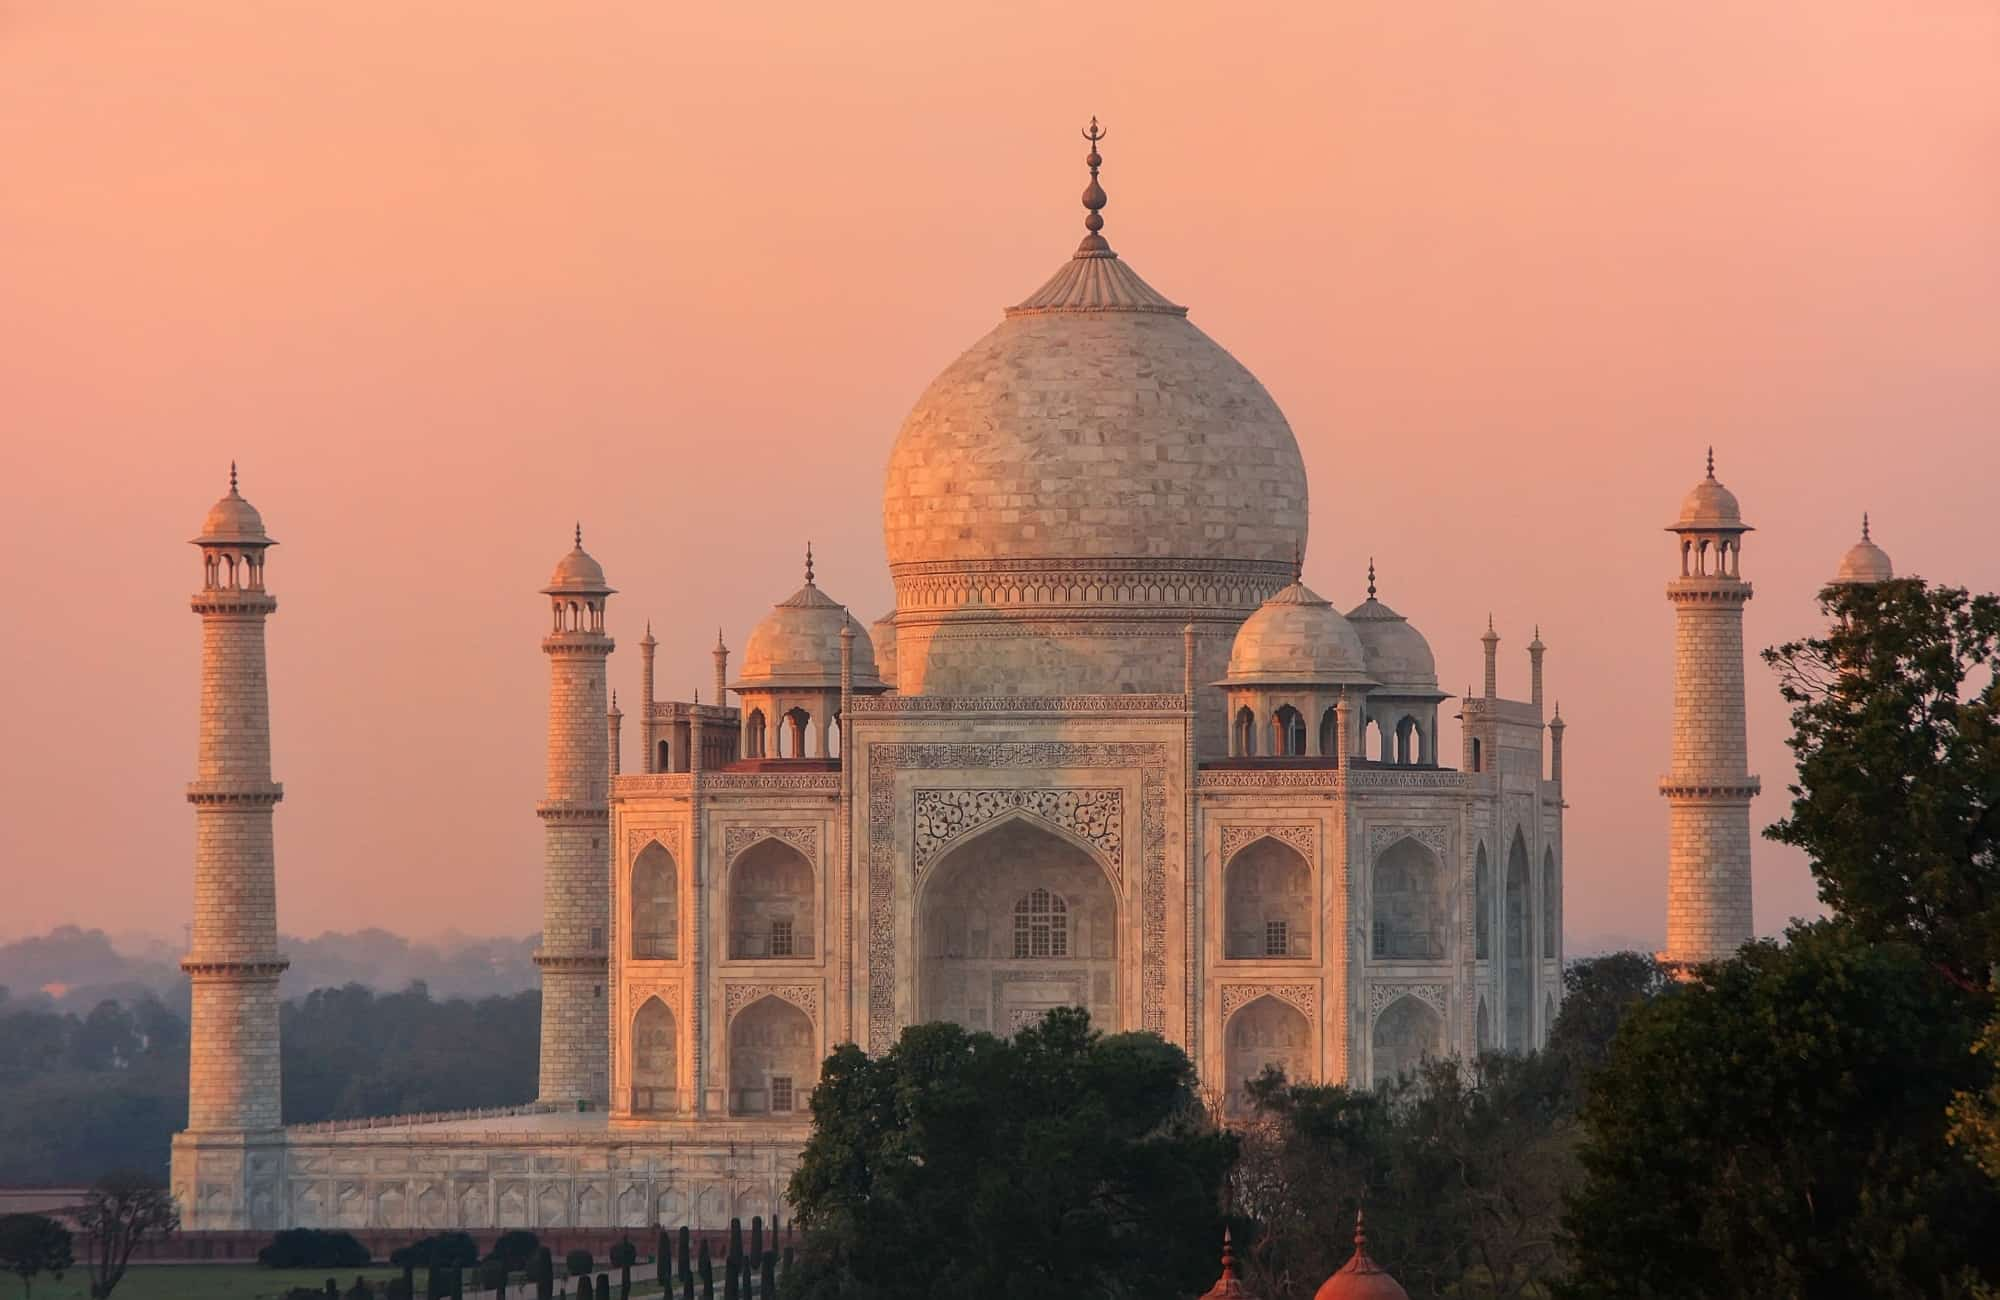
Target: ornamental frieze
<point>805,997</point>
<point>1301,837</point>
<point>667,837</point>
<point>1237,996</point>
<point>638,991</point>
<point>1095,815</point>
<point>1134,703</point>
<point>805,839</point>
<point>1435,837</point>
<point>1381,993</point>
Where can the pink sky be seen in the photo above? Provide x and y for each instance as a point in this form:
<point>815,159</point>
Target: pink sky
<point>446,277</point>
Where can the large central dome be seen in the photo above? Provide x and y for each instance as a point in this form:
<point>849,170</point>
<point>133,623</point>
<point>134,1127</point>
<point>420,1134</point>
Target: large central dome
<point>1094,472</point>
<point>1095,421</point>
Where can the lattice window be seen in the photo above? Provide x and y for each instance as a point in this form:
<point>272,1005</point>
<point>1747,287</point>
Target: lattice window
<point>1277,938</point>
<point>781,1093</point>
<point>1041,925</point>
<point>781,938</point>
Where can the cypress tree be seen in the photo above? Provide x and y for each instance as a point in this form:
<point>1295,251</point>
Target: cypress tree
<point>604,1286</point>
<point>707,1271</point>
<point>687,1288</point>
<point>769,1289</point>
<point>544,1270</point>
<point>660,1255</point>
<point>687,1257</point>
<point>756,1237</point>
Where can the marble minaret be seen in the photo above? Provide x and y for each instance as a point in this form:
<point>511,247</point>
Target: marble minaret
<point>1709,786</point>
<point>232,962</point>
<point>576,867</point>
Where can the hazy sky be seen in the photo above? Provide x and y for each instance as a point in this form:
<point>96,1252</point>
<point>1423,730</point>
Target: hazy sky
<point>446,277</point>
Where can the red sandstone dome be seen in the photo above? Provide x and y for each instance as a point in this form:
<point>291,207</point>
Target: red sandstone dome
<point>1361,1278</point>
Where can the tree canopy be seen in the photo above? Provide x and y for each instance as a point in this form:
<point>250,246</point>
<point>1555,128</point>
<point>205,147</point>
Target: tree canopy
<point>1059,1162</point>
<point>33,1244</point>
<point>1896,726</point>
<point>1776,1127</point>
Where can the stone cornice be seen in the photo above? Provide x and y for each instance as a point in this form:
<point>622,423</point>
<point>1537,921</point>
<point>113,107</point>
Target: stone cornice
<point>571,810</point>
<point>220,968</point>
<point>1723,788</point>
<point>232,600</point>
<point>1093,584</point>
<point>579,644</point>
<point>570,961</point>
<point>244,794</point>
<point>1708,591</point>
<point>1335,781</point>
<point>1174,705</point>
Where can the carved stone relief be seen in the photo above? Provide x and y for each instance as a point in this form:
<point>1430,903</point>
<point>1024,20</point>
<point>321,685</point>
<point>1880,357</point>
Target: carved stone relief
<point>1237,996</point>
<point>803,838</point>
<point>1302,837</point>
<point>1096,816</point>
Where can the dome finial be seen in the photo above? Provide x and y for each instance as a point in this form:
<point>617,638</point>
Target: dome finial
<point>1360,1232</point>
<point>1864,526</point>
<point>809,564</point>
<point>232,478</point>
<point>1093,194</point>
<point>579,534</point>
<point>1371,577</point>
<point>1298,563</point>
<point>1711,461</point>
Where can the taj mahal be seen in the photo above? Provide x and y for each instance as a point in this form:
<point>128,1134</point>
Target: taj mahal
<point>1109,749</point>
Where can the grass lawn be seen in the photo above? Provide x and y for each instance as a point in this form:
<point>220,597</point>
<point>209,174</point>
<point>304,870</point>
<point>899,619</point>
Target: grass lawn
<point>201,1282</point>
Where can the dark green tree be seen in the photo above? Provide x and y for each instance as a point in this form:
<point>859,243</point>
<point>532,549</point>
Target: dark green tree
<point>435,1287</point>
<point>756,1237</point>
<point>604,1286</point>
<point>543,1271</point>
<point>768,1276</point>
<point>33,1244</point>
<point>361,1290</point>
<point>1896,727</point>
<point>331,1289</point>
<point>1777,1127</point>
<point>313,1248</point>
<point>515,1248</point>
<point>493,1273</point>
<point>623,1255</point>
<point>407,1283</point>
<point>577,1263</point>
<point>707,1271</point>
<point>686,1252</point>
<point>118,1213</point>
<point>1061,1161</point>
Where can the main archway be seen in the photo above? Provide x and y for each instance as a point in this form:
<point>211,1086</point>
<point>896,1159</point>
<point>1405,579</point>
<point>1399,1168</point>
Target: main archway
<point>1265,1032</point>
<point>1015,920</point>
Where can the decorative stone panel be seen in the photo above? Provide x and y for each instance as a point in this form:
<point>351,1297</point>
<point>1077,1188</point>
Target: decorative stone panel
<point>669,837</point>
<point>1381,993</point>
<point>1237,996</point>
<point>1304,838</point>
<point>637,992</point>
<point>1095,815</point>
<point>1436,837</point>
<point>805,839</point>
<point>805,997</point>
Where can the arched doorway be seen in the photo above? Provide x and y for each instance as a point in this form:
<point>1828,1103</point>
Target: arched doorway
<point>1482,908</point>
<point>1408,917</point>
<point>1407,1033</point>
<point>771,903</point>
<point>1265,1032</point>
<point>1520,946</point>
<point>1551,901</point>
<point>655,1077</point>
<point>1267,902</point>
<point>772,1062</point>
<point>656,905</point>
<point>1013,921</point>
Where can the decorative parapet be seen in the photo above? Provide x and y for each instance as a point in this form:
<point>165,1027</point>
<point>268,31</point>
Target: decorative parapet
<point>246,794</point>
<point>682,785</point>
<point>1691,787</point>
<point>1155,702</point>
<point>425,1117</point>
<point>1337,781</point>
<point>1137,583</point>
<point>630,785</point>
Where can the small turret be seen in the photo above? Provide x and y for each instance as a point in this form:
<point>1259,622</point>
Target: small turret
<point>1492,643</point>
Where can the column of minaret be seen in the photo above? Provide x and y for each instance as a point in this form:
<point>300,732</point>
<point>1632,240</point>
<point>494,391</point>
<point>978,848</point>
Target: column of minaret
<point>1709,785</point>
<point>576,832</point>
<point>232,962</point>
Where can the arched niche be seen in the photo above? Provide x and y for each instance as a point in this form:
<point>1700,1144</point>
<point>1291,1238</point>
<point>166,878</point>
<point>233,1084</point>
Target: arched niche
<point>1519,922</point>
<point>1482,907</point>
<point>771,903</point>
<point>1265,1032</point>
<point>1551,903</point>
<point>755,743</point>
<point>1243,734</point>
<point>1548,1015</point>
<point>656,905</point>
<point>655,1055</point>
<point>772,1060</point>
<point>1267,902</point>
<point>1407,1033</point>
<point>992,955</point>
<point>1483,1040</point>
<point>1288,733</point>
<point>1408,916</point>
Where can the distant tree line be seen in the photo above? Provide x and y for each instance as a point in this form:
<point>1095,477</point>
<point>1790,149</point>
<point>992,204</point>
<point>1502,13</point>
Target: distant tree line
<point>83,1096</point>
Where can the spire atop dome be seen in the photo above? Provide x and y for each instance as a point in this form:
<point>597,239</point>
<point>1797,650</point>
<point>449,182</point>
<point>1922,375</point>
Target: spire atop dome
<point>1864,513</point>
<point>809,564</point>
<point>1227,1287</point>
<point>232,492</point>
<point>1865,562</point>
<point>1371,577</point>
<point>1093,194</point>
<point>579,534</point>
<point>1711,461</point>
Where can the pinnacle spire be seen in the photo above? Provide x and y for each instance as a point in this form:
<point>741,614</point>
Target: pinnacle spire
<point>1711,461</point>
<point>1093,195</point>
<point>809,564</point>
<point>718,637</point>
<point>1371,577</point>
<point>1298,563</point>
<point>579,534</point>
<point>1864,525</point>
<point>232,478</point>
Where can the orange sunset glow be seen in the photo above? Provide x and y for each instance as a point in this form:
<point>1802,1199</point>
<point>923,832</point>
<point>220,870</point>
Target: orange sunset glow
<point>446,278</point>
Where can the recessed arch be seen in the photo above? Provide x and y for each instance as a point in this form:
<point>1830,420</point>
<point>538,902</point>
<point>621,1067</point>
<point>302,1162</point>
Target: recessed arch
<point>1243,733</point>
<point>1520,939</point>
<point>655,1059</point>
<point>1551,904</point>
<point>1329,734</point>
<point>1483,1040</point>
<point>1288,733</point>
<point>773,1061</point>
<point>1265,1031</point>
<point>754,741</point>
<point>1408,907</point>
<point>770,903</point>
<point>1407,1033</point>
<point>968,928</point>
<point>1482,907</point>
<point>1267,901</point>
<point>655,905</point>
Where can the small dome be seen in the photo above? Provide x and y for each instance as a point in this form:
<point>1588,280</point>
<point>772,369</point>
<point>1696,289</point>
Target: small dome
<point>1709,505</point>
<point>232,519</point>
<point>577,573</point>
<point>1361,1278</point>
<point>882,636</point>
<point>1399,658</point>
<point>1865,562</point>
<point>798,645</point>
<point>1296,638</point>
